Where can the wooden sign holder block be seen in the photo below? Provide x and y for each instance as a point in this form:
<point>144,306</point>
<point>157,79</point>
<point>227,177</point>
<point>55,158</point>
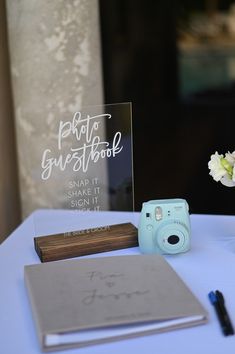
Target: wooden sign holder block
<point>84,242</point>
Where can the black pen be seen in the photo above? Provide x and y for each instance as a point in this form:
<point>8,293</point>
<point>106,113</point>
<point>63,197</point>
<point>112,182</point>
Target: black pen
<point>217,300</point>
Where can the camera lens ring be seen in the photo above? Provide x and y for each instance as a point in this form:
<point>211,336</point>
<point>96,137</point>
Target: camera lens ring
<point>171,229</point>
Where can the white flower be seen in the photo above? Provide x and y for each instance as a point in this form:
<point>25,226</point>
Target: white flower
<point>223,168</point>
<point>230,157</point>
<point>226,181</point>
<point>233,177</point>
<point>217,171</point>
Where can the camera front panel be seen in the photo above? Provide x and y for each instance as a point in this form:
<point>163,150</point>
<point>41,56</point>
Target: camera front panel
<point>164,226</point>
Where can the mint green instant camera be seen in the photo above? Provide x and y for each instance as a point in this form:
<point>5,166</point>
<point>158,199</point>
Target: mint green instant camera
<point>164,227</point>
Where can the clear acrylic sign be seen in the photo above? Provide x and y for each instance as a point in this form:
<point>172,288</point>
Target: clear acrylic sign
<point>87,165</point>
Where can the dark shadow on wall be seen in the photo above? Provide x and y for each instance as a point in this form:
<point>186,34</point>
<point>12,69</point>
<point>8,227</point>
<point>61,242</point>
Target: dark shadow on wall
<point>9,189</point>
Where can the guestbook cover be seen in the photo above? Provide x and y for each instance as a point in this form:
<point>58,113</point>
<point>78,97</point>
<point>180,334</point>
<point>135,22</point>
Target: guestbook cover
<point>87,301</point>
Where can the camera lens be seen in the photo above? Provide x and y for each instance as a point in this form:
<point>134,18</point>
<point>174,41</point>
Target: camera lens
<point>173,239</point>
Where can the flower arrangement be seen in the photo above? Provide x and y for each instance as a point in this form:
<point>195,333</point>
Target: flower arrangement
<point>222,168</point>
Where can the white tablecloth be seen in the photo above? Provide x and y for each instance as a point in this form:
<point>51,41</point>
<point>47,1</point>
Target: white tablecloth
<point>209,265</point>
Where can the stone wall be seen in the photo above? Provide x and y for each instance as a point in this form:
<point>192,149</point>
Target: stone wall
<point>56,70</point>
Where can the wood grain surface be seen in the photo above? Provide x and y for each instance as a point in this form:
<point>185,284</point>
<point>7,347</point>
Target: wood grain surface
<point>84,242</point>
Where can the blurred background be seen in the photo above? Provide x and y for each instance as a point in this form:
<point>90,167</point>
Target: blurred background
<point>174,60</point>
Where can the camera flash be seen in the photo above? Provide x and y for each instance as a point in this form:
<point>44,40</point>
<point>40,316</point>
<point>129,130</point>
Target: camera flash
<point>158,213</point>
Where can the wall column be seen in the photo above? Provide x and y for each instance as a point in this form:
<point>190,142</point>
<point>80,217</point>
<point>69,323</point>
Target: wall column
<point>56,70</point>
